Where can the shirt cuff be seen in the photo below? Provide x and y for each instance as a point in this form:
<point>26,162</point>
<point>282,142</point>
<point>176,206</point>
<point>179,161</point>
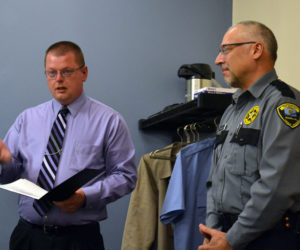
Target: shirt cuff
<point>236,237</point>
<point>91,200</point>
<point>212,221</point>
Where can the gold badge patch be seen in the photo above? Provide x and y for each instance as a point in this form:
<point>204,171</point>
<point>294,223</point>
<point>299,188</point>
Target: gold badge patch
<point>251,115</point>
<point>290,114</point>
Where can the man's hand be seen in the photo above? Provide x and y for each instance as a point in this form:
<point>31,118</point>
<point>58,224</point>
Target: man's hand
<point>213,239</point>
<point>76,201</point>
<point>5,155</point>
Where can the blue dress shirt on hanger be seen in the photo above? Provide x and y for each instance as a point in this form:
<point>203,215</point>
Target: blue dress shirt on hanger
<point>185,201</point>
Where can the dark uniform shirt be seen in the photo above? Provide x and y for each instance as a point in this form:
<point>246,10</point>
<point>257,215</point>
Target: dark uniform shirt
<point>256,161</point>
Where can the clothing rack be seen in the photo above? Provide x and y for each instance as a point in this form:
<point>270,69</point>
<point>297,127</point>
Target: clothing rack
<point>205,108</point>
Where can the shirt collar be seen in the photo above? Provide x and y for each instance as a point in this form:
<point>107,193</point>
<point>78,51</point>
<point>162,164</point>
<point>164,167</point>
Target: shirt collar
<point>74,107</point>
<point>258,87</point>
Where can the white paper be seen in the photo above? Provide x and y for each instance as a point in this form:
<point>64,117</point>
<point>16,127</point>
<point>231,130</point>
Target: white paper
<point>215,90</point>
<point>25,187</point>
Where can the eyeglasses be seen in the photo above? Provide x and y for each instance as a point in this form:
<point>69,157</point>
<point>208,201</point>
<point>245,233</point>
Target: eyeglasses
<point>52,74</point>
<point>223,48</point>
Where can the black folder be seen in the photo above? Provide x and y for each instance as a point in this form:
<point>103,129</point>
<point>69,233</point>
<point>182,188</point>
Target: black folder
<point>64,190</point>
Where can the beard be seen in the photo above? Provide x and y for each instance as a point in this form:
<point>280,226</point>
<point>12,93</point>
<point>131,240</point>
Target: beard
<point>233,81</point>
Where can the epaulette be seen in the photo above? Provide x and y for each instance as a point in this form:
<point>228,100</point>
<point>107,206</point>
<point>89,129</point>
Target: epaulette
<point>283,88</point>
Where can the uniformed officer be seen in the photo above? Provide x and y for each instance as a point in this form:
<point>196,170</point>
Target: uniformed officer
<point>254,185</point>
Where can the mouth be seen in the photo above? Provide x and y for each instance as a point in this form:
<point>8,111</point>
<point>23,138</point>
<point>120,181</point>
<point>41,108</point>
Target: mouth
<point>224,70</point>
<point>61,89</point>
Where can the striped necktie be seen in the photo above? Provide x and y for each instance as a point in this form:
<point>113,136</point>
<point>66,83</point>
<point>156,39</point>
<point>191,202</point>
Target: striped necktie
<point>50,162</point>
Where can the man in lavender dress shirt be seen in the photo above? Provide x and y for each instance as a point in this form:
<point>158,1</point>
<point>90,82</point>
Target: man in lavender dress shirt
<point>96,137</point>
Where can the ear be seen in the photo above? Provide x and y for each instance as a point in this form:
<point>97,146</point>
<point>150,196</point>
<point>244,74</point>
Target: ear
<point>84,71</point>
<point>257,51</point>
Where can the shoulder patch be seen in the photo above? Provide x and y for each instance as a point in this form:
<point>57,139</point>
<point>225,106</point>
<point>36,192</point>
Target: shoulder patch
<point>251,115</point>
<point>289,114</point>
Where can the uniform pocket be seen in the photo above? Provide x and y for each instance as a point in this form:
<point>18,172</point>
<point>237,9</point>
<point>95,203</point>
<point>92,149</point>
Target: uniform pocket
<point>243,160</point>
<point>237,160</point>
<point>245,153</point>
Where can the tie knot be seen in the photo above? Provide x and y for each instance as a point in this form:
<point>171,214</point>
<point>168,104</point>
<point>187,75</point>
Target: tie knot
<point>64,111</point>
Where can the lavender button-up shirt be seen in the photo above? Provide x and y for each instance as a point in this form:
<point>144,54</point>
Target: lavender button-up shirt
<point>96,137</point>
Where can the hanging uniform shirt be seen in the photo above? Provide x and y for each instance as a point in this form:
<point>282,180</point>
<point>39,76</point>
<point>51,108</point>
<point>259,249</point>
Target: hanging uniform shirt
<point>185,201</point>
<point>143,229</point>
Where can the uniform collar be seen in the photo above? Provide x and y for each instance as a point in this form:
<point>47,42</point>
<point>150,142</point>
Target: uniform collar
<point>258,87</point>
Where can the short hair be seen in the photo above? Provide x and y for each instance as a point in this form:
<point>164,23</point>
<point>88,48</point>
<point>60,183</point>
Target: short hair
<point>63,47</point>
<point>266,35</point>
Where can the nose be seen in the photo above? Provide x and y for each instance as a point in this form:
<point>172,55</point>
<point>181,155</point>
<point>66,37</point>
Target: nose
<point>219,59</point>
<point>59,77</point>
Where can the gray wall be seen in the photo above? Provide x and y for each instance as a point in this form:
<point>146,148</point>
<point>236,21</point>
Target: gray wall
<point>133,50</point>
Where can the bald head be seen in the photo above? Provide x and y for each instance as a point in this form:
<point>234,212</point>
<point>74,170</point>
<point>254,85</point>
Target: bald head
<point>248,50</point>
<point>256,31</point>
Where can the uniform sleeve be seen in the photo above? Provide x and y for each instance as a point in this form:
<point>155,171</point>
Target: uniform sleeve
<point>211,213</point>
<point>272,194</point>
<point>174,205</point>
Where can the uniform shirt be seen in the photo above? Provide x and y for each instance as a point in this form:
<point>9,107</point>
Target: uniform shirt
<point>185,202</point>
<point>96,137</point>
<point>143,229</point>
<point>255,171</point>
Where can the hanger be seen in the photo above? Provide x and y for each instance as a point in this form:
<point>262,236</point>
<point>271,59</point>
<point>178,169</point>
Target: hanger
<point>156,153</point>
<point>192,134</point>
<point>194,128</point>
<point>186,132</point>
<point>178,133</point>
